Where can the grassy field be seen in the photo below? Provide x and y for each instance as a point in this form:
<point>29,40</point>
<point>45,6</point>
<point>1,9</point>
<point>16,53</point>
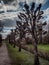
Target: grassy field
<point>43,48</point>
<point>23,57</point>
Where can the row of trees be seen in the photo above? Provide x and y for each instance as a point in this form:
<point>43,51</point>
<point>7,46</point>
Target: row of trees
<point>29,22</point>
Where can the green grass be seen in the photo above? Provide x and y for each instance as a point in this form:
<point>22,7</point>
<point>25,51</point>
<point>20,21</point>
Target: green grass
<point>29,46</point>
<point>43,48</point>
<point>23,57</point>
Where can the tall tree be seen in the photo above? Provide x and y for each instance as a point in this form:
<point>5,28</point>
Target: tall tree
<point>1,26</point>
<point>41,30</point>
<point>0,39</point>
<point>12,37</point>
<point>21,29</point>
<point>32,18</point>
<point>48,35</point>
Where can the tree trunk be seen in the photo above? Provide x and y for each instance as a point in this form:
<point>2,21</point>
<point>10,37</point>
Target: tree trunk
<point>19,48</point>
<point>9,41</point>
<point>14,46</point>
<point>36,58</point>
<point>19,45</point>
<point>40,37</point>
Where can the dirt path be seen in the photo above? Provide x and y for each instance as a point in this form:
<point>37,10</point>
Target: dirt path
<point>4,58</point>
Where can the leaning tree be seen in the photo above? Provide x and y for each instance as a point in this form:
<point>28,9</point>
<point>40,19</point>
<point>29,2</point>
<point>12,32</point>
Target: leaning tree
<point>32,18</point>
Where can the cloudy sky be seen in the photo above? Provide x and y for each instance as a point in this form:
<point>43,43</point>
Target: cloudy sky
<point>12,21</point>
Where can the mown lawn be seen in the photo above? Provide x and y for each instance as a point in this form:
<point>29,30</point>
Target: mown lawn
<point>23,57</point>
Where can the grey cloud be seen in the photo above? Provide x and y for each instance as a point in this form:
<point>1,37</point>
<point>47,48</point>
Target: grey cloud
<point>9,22</point>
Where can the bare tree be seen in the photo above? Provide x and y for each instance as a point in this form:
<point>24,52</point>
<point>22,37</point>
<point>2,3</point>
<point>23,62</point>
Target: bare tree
<point>8,38</point>
<point>12,37</point>
<point>48,34</point>
<point>0,39</point>
<point>1,26</point>
<point>41,30</point>
<point>32,18</point>
<point>21,29</point>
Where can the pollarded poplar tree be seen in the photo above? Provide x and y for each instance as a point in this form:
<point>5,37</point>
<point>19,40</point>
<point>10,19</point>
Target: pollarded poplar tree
<point>11,38</point>
<point>41,31</point>
<point>21,29</point>
<point>32,18</point>
<point>48,35</point>
<point>1,26</point>
<point>0,39</point>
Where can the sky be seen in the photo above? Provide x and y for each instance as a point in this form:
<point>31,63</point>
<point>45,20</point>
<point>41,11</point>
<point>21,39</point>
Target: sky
<point>19,6</point>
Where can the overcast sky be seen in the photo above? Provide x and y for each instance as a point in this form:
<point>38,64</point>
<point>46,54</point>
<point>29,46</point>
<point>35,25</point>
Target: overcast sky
<point>45,8</point>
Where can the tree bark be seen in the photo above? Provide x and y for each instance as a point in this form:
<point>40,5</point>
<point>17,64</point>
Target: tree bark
<point>40,37</point>
<point>36,58</point>
<point>19,48</point>
<point>19,45</point>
